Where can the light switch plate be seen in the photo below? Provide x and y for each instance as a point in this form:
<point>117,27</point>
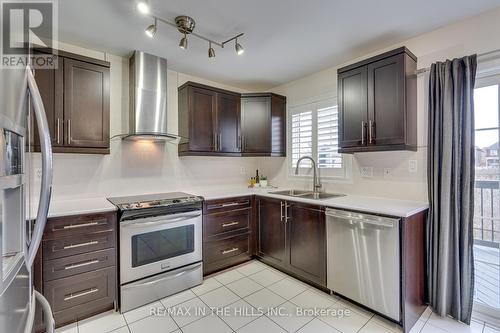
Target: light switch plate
<point>367,172</point>
<point>412,166</point>
<point>388,172</point>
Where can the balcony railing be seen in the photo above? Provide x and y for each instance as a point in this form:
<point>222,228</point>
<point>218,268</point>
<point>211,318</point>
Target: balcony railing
<point>487,213</point>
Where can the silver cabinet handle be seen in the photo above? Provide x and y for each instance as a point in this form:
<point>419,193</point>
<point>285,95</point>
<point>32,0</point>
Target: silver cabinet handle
<point>46,183</point>
<point>83,264</point>
<point>238,143</point>
<point>58,129</point>
<point>230,250</point>
<point>286,212</point>
<point>363,126</point>
<point>69,131</point>
<point>220,141</point>
<point>76,226</point>
<point>371,128</point>
<point>80,294</point>
<point>233,204</point>
<point>164,220</point>
<point>72,246</point>
<point>281,211</point>
<point>225,225</point>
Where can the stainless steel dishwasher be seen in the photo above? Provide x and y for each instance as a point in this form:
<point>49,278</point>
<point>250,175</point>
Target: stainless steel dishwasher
<point>363,260</point>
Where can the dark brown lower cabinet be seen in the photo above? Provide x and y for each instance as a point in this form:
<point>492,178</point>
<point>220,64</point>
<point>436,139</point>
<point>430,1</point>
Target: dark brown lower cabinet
<point>292,237</point>
<point>76,267</point>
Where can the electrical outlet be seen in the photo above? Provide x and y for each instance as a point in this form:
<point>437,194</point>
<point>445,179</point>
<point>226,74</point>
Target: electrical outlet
<point>38,173</point>
<point>412,166</point>
<point>388,172</point>
<point>367,172</point>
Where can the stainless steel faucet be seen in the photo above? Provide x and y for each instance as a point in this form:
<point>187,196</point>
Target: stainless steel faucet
<point>316,182</point>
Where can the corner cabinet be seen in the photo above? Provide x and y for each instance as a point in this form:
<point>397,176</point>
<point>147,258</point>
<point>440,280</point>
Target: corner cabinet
<point>216,122</point>
<point>377,103</point>
<point>76,101</point>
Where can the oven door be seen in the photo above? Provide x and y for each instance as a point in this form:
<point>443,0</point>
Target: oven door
<point>156,244</point>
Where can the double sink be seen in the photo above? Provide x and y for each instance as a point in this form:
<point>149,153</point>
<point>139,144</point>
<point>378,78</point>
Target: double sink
<point>307,194</point>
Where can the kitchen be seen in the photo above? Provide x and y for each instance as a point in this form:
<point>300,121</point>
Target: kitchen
<point>192,202</point>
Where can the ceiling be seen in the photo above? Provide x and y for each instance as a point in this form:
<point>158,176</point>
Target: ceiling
<point>284,39</point>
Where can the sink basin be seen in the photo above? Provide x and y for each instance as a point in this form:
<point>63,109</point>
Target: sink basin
<point>292,193</point>
<point>322,195</point>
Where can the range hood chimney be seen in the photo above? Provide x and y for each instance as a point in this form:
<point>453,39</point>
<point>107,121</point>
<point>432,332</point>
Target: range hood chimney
<point>148,98</point>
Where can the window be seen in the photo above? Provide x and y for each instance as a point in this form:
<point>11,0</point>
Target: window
<point>314,132</point>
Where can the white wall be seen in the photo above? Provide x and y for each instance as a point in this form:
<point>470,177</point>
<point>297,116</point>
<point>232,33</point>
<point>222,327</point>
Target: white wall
<point>474,35</point>
<point>140,167</point>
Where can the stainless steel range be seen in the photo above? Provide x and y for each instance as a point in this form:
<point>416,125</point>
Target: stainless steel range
<point>160,246</point>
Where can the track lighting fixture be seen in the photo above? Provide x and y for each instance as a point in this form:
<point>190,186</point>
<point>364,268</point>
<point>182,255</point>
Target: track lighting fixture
<point>151,30</point>
<point>237,46</point>
<point>185,25</point>
<point>211,51</point>
<point>183,44</point>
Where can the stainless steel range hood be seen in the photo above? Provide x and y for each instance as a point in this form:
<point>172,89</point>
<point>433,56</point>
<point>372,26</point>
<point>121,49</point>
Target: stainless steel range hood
<point>148,98</point>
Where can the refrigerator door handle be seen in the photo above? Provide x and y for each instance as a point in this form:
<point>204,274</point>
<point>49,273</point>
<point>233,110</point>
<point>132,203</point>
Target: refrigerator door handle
<point>46,184</point>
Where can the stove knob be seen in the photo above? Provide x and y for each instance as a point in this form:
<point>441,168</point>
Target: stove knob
<point>176,201</point>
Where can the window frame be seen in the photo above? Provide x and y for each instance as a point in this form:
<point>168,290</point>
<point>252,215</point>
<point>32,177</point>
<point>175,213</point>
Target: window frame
<point>343,174</point>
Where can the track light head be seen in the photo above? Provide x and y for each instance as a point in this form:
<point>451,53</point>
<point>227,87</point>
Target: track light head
<point>239,49</point>
<point>183,44</point>
<point>211,51</point>
<point>151,30</point>
<point>143,7</point>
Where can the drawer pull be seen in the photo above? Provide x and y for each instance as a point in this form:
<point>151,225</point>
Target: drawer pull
<point>80,294</point>
<point>82,264</point>
<point>225,225</point>
<point>76,226</point>
<point>230,204</point>
<point>72,246</point>
<point>230,250</point>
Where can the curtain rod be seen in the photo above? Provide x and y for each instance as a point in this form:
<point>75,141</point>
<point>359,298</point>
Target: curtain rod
<point>480,55</point>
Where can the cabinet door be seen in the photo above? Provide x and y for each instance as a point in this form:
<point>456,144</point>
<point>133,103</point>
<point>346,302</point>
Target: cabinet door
<point>228,121</point>
<point>386,101</point>
<point>86,104</point>
<point>50,85</point>
<point>271,231</point>
<point>353,107</point>
<point>202,106</point>
<point>256,122</point>
<point>307,239</point>
<point>278,126</point>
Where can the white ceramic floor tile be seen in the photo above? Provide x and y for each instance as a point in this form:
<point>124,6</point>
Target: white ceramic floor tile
<point>207,285</point>
<point>395,328</point>
<point>102,323</point>
<point>178,298</point>
<point>152,324</point>
<point>122,330</point>
<point>344,319</point>
<point>353,307</point>
<point>452,325</point>
<point>219,297</point>
<point>143,312</point>
<point>287,288</point>
<point>266,277</point>
<point>289,318</point>
<point>229,276</point>
<point>373,327</point>
<point>189,311</point>
<point>239,314</point>
<point>264,299</point>
<point>262,325</point>
<point>310,299</point>
<point>428,328</point>
<point>418,326</point>
<point>490,329</point>
<point>250,268</point>
<point>244,287</point>
<point>317,326</point>
<point>71,328</point>
<point>208,324</point>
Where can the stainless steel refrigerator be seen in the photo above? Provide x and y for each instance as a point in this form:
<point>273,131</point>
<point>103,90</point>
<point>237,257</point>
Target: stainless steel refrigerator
<point>20,103</point>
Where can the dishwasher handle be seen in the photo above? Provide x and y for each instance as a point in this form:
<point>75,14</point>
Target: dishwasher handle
<point>343,215</point>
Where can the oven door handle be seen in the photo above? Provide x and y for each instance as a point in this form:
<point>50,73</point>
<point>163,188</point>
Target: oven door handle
<point>164,220</point>
<point>167,277</point>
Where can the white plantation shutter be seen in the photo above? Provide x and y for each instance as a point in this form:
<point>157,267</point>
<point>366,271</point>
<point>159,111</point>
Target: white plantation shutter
<point>302,127</point>
<point>328,139</point>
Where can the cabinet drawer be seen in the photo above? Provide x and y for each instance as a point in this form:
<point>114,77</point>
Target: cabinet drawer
<point>78,264</point>
<point>227,204</point>
<point>79,224</point>
<point>81,290</point>
<point>226,248</point>
<point>214,224</point>
<point>69,246</point>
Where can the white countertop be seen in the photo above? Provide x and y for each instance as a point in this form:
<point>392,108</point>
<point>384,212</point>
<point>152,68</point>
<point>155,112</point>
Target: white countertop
<point>374,205</point>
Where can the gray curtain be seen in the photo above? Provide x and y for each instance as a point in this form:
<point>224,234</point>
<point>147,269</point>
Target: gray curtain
<point>450,263</point>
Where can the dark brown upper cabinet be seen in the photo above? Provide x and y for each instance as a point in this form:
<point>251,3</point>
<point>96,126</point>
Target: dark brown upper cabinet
<point>218,122</point>
<point>377,103</point>
<point>76,101</point>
